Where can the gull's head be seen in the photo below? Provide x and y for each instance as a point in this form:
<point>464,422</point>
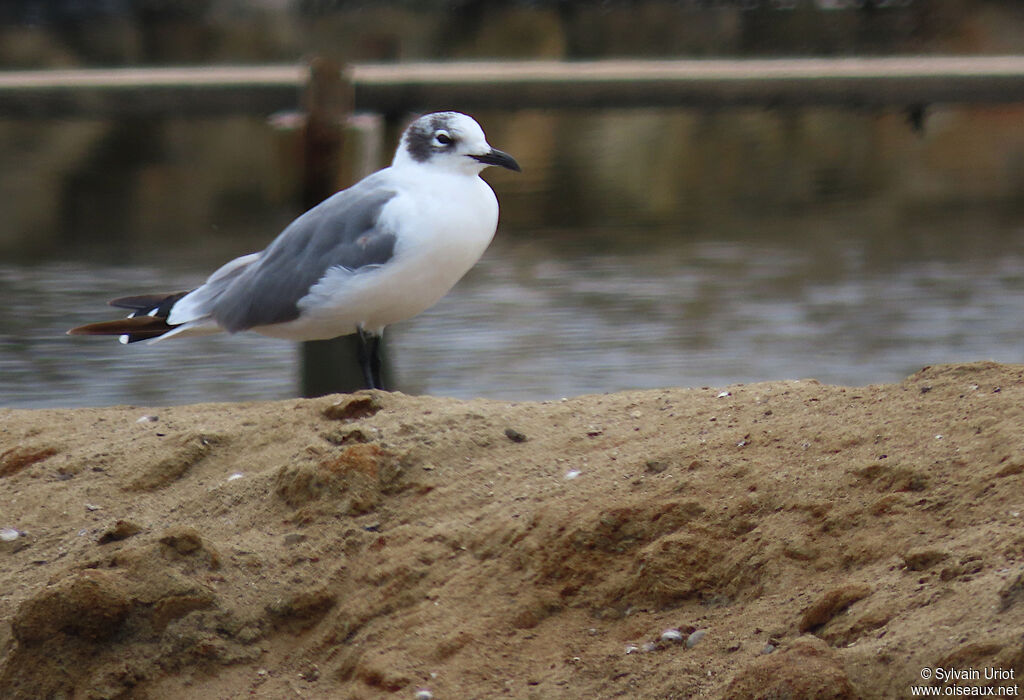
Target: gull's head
<point>450,141</point>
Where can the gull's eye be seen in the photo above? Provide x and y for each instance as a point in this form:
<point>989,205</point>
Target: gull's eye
<point>443,138</point>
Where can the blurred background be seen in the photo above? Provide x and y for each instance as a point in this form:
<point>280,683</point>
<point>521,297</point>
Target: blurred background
<point>640,248</point>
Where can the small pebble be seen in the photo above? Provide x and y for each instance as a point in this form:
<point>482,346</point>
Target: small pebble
<point>632,648</point>
<point>672,635</point>
<point>572,474</point>
<point>655,466</point>
<point>424,694</point>
<point>148,419</point>
<point>353,407</point>
<point>120,530</point>
<point>236,475</point>
<point>649,647</point>
<point>694,638</point>
<point>311,675</point>
<point>90,507</point>
<point>767,649</point>
<point>723,394</point>
<point>12,540</point>
<point>515,436</point>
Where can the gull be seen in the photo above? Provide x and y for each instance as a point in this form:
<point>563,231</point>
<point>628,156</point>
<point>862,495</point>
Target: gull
<point>381,251</point>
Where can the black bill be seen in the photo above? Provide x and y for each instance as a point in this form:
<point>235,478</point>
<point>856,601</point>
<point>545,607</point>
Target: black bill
<point>499,158</point>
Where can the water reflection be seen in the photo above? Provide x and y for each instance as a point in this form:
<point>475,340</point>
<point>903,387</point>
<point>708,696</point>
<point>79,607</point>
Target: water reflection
<point>645,249</point>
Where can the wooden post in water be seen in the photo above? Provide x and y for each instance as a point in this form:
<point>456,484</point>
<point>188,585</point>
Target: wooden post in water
<point>338,150</point>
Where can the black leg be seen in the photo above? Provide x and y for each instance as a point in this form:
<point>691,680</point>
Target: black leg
<point>369,358</point>
<point>375,362</point>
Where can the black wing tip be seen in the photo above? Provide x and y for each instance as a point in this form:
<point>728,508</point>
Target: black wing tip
<point>147,302</point>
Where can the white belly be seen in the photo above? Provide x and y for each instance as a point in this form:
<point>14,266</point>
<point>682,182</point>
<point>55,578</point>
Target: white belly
<point>442,232</point>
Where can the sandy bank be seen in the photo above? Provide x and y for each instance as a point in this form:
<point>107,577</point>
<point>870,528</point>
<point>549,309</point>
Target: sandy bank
<point>817,540</point>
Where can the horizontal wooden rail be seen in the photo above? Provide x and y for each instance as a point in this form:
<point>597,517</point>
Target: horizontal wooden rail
<point>147,92</point>
<point>635,83</point>
<point>402,87</point>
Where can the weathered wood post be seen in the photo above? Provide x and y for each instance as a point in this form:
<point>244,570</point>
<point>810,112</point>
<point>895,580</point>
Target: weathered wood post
<point>338,149</point>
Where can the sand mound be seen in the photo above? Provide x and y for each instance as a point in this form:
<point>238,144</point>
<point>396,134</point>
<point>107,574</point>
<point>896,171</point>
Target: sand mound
<point>782,540</point>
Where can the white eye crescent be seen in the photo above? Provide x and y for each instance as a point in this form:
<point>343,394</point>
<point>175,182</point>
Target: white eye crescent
<point>443,138</point>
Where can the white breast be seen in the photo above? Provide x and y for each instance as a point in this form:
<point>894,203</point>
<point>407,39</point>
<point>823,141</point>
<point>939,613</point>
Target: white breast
<point>443,223</point>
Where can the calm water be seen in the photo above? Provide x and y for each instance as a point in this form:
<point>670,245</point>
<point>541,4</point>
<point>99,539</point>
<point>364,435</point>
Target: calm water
<point>638,250</point>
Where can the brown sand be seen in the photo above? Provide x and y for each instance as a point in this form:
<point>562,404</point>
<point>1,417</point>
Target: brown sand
<point>806,541</point>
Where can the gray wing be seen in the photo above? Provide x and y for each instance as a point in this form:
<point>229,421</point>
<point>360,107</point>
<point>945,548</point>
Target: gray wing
<point>341,231</point>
